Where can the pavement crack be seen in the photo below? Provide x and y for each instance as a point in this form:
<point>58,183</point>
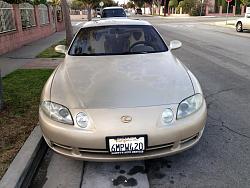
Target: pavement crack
<point>219,92</point>
<point>82,174</point>
<point>222,124</point>
<point>213,118</point>
<point>236,132</point>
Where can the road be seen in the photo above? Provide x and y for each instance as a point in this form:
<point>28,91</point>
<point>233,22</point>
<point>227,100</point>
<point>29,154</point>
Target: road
<point>220,59</point>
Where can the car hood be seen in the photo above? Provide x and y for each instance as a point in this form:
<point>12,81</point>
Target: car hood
<point>120,81</point>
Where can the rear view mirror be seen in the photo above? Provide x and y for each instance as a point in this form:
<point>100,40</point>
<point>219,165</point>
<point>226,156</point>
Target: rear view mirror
<point>175,44</point>
<point>60,49</point>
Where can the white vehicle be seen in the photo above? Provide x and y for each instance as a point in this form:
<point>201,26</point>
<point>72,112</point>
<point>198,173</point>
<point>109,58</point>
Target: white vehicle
<point>111,12</point>
<point>243,23</point>
<point>98,11</point>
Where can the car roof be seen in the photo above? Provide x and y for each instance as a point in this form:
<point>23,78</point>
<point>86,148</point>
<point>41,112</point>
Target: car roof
<point>115,21</point>
<point>106,8</point>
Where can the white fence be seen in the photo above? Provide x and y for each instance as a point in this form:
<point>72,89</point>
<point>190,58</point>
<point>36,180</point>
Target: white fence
<point>7,21</point>
<point>43,14</point>
<point>27,15</point>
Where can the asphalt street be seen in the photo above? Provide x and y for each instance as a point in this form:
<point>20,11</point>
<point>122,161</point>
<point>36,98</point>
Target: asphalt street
<point>220,59</point>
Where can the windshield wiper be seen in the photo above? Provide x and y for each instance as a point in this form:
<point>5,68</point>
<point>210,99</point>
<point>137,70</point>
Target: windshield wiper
<point>104,54</point>
<point>126,53</point>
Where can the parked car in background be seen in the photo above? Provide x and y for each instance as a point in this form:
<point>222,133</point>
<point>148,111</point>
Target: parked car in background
<point>138,11</point>
<point>98,11</point>
<point>243,23</point>
<point>128,12</point>
<point>121,94</point>
<point>110,12</point>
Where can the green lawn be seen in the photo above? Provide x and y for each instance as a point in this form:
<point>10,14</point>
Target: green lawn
<point>51,53</point>
<point>22,90</point>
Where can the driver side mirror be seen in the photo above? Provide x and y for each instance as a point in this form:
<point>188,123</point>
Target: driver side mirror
<point>60,49</point>
<point>175,44</point>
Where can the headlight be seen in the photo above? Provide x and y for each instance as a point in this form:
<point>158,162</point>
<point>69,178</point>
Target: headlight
<point>167,116</point>
<point>57,112</point>
<point>189,106</point>
<point>82,120</point>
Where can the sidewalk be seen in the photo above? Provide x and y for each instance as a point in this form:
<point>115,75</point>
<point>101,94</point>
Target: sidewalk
<point>228,24</point>
<point>11,61</point>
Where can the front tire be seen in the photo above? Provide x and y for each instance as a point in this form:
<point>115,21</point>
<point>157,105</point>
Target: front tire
<point>239,27</point>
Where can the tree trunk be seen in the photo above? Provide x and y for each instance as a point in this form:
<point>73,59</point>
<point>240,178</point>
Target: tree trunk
<point>151,7</point>
<point>1,92</point>
<point>159,7</point>
<point>165,8</point>
<point>68,26</point>
<point>89,13</point>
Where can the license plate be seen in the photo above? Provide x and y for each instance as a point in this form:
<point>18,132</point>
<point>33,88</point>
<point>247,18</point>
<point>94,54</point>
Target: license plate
<point>127,145</point>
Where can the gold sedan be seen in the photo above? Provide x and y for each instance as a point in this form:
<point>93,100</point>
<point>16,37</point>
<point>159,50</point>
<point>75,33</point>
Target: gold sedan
<point>120,94</point>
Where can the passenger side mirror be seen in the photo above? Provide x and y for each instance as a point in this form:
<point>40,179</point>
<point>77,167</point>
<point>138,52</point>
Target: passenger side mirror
<point>175,44</point>
<point>60,49</point>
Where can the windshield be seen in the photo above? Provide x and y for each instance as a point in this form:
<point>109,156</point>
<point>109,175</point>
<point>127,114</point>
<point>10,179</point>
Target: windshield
<point>115,40</point>
<point>106,13</point>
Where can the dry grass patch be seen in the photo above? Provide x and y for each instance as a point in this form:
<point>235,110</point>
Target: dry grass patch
<point>22,90</point>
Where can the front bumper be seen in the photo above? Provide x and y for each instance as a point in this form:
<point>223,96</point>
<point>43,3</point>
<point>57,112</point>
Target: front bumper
<point>91,145</point>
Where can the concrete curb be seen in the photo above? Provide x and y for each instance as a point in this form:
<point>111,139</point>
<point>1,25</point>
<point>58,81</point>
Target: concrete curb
<point>23,167</point>
<point>231,24</point>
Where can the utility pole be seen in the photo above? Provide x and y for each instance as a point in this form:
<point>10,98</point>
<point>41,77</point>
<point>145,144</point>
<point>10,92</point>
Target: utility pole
<point>202,1</point>
<point>1,92</point>
<point>228,1</point>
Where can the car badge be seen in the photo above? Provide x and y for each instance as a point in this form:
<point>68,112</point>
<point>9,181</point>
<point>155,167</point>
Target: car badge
<point>126,119</point>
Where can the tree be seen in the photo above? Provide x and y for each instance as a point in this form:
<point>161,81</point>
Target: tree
<point>109,3</point>
<point>245,2</point>
<point>35,2</point>
<point>188,5</point>
<point>130,4</point>
<point>89,4</point>
<point>76,5</point>
<point>92,4</point>
<point>67,21</point>
<point>173,3</point>
<point>158,4</point>
<point>1,92</point>
<point>150,3</point>
<point>55,2</point>
<point>139,3</point>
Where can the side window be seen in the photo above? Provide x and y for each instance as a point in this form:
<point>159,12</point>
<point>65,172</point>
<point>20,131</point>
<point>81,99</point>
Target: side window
<point>80,44</point>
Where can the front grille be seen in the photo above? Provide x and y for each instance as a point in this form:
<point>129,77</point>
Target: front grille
<point>61,146</point>
<point>168,146</point>
<point>189,139</point>
<point>93,150</point>
<point>162,146</point>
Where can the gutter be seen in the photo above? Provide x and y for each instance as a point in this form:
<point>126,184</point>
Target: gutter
<point>25,164</point>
